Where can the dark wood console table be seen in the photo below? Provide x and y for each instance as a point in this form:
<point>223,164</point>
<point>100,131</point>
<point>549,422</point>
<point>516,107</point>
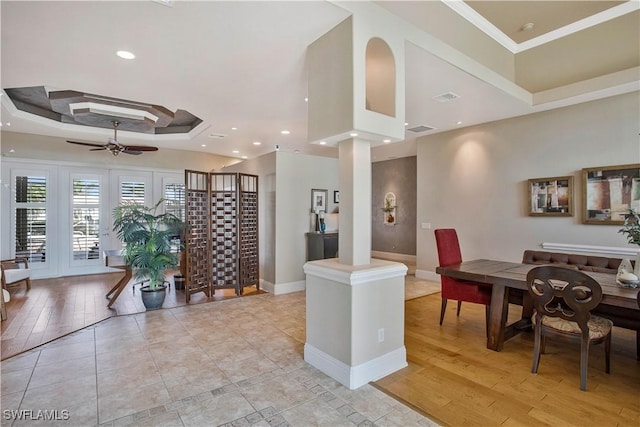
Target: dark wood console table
<point>321,245</point>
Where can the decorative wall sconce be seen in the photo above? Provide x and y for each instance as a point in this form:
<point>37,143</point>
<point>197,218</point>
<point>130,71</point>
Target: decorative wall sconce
<point>389,209</point>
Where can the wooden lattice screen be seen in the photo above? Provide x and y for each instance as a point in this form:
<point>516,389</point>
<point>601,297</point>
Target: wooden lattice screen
<point>249,268</point>
<point>224,230</point>
<point>222,213</point>
<point>197,237</point>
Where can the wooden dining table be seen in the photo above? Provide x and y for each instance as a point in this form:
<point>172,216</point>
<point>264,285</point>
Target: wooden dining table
<point>504,277</point>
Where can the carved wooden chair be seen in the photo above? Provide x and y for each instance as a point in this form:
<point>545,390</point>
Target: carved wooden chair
<point>456,289</point>
<point>563,299</point>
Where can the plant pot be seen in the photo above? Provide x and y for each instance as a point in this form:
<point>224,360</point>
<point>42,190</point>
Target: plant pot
<point>153,298</point>
<point>178,281</point>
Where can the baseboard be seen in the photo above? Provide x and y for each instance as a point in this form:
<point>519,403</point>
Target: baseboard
<point>283,288</point>
<point>391,256</point>
<point>354,377</point>
<point>427,275</point>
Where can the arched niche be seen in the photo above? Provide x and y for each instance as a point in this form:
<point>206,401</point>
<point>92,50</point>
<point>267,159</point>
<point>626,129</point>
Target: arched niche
<point>380,72</point>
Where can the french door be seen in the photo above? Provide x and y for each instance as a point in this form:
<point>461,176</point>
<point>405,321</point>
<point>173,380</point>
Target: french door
<point>87,214</point>
<point>60,217</point>
<point>128,187</point>
<point>32,218</point>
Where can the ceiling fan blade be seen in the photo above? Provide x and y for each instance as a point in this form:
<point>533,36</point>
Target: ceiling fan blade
<point>98,149</point>
<point>140,148</point>
<point>130,151</point>
<point>88,144</point>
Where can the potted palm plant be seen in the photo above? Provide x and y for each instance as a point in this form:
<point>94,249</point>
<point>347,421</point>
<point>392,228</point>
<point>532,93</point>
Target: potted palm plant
<point>148,252</point>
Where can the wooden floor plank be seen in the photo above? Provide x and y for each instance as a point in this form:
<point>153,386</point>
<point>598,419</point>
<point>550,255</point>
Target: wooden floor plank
<point>455,380</point>
<point>56,307</point>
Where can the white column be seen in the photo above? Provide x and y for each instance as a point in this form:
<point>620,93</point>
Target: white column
<point>355,202</point>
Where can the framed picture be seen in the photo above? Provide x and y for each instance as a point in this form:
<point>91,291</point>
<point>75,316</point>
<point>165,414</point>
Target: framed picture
<point>318,200</point>
<point>551,196</point>
<point>336,196</point>
<point>609,192</point>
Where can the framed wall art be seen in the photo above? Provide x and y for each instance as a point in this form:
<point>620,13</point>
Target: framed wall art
<point>551,196</point>
<point>609,192</point>
<point>318,200</point>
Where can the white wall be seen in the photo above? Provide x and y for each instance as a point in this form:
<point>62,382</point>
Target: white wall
<point>265,168</point>
<point>27,146</point>
<point>475,179</point>
<point>296,175</point>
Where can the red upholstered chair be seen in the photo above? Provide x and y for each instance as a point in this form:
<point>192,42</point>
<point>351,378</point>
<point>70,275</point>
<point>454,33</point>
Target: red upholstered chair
<point>456,289</point>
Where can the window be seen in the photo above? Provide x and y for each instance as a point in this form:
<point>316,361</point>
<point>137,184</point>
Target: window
<point>31,217</point>
<point>175,199</point>
<point>86,218</point>
<point>132,192</point>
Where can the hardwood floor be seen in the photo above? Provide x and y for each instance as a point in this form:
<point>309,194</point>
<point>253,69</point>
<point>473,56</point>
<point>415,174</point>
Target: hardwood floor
<point>57,307</point>
<point>453,379</point>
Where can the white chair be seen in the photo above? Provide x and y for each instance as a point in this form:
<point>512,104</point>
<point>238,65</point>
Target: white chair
<point>15,271</point>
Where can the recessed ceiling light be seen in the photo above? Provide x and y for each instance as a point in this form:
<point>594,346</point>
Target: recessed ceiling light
<point>296,151</point>
<point>203,145</point>
<point>8,124</point>
<point>406,124</point>
<point>323,142</point>
<point>306,100</point>
<point>459,122</point>
<point>12,151</point>
<point>353,134</point>
<point>234,128</point>
<point>285,132</point>
<point>386,141</point>
<point>245,157</point>
<point>124,54</point>
<point>235,151</point>
<point>257,142</point>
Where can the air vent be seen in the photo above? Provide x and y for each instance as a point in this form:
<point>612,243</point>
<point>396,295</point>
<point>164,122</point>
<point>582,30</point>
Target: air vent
<point>421,128</point>
<point>217,135</point>
<point>446,97</point>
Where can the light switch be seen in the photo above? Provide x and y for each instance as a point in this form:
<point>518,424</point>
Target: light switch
<point>426,225</point>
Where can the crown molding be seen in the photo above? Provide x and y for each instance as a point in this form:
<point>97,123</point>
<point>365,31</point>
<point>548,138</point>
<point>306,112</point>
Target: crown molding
<point>468,13</point>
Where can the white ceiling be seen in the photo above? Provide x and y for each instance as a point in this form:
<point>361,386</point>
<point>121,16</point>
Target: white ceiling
<point>233,64</point>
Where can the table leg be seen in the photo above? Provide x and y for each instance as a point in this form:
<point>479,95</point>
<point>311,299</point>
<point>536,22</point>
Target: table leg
<point>498,311</point>
<point>119,287</point>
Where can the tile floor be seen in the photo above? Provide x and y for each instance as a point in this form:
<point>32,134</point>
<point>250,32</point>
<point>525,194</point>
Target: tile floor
<point>235,362</point>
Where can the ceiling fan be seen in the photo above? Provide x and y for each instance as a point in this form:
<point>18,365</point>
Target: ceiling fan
<point>114,147</point>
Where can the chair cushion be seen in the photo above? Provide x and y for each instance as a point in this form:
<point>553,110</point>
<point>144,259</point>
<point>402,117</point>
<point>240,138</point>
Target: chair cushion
<point>16,274</point>
<point>598,326</point>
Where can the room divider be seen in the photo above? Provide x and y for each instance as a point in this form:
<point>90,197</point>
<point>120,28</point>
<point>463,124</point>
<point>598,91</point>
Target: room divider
<point>221,241</point>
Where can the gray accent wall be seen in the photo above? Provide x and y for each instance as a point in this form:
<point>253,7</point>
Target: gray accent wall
<point>399,177</point>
